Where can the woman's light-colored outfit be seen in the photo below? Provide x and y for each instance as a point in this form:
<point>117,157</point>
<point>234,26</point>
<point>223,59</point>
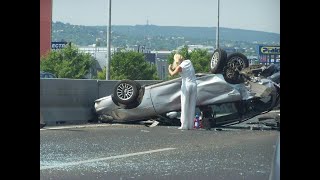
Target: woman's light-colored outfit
<point>188,94</point>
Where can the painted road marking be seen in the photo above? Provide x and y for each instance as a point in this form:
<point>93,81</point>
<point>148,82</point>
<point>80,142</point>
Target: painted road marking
<point>76,126</point>
<point>103,159</point>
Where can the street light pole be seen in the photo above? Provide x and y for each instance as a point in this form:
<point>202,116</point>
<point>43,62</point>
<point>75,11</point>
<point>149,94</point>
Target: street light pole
<point>217,29</point>
<point>108,45</point>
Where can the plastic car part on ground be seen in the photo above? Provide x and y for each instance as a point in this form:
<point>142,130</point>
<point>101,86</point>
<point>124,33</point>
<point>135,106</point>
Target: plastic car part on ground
<point>42,123</point>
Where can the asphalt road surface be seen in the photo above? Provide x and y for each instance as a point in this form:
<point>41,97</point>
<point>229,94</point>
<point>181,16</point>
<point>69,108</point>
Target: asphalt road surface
<point>120,151</point>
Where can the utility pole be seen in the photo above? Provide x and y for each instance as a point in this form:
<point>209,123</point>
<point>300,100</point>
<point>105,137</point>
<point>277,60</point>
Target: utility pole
<point>108,45</point>
<point>217,29</point>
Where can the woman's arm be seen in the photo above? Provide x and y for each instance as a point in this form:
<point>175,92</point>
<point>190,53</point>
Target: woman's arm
<point>174,72</point>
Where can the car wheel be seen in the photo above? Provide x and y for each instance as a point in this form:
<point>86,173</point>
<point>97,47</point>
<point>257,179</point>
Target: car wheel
<point>126,92</point>
<point>218,61</point>
<point>235,63</point>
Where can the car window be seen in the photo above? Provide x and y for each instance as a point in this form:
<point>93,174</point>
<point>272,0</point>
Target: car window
<point>224,109</point>
<point>226,112</point>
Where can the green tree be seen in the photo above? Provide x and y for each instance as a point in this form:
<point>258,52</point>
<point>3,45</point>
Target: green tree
<point>102,74</point>
<point>67,63</point>
<point>201,60</point>
<point>130,65</point>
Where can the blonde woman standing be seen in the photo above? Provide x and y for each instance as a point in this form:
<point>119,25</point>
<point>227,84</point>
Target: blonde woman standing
<point>188,89</point>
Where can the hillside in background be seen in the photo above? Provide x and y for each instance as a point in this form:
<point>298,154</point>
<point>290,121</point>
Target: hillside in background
<point>158,37</point>
<point>197,32</point>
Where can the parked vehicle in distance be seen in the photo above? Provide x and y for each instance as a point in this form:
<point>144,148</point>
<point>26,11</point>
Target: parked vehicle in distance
<point>47,75</point>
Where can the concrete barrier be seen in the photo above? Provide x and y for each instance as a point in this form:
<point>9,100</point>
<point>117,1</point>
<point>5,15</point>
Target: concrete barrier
<point>71,101</point>
<point>67,100</point>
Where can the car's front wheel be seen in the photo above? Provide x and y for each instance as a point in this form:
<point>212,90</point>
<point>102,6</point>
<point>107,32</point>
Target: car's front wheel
<point>126,92</point>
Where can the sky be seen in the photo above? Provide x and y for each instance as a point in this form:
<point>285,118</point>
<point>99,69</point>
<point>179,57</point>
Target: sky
<point>259,15</point>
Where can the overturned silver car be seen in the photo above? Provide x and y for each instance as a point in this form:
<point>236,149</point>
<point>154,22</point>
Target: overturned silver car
<point>231,95</point>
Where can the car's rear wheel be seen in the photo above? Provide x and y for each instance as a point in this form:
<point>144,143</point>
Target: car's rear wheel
<point>218,61</point>
<point>235,63</point>
<point>126,92</point>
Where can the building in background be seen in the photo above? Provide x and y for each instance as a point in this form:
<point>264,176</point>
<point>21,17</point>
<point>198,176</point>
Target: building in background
<point>192,47</point>
<point>162,63</point>
<point>45,26</point>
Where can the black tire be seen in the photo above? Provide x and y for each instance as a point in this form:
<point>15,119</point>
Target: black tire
<point>218,61</point>
<point>235,63</point>
<point>126,92</point>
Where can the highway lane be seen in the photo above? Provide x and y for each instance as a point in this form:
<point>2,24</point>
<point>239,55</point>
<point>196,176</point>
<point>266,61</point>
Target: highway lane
<point>122,151</point>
